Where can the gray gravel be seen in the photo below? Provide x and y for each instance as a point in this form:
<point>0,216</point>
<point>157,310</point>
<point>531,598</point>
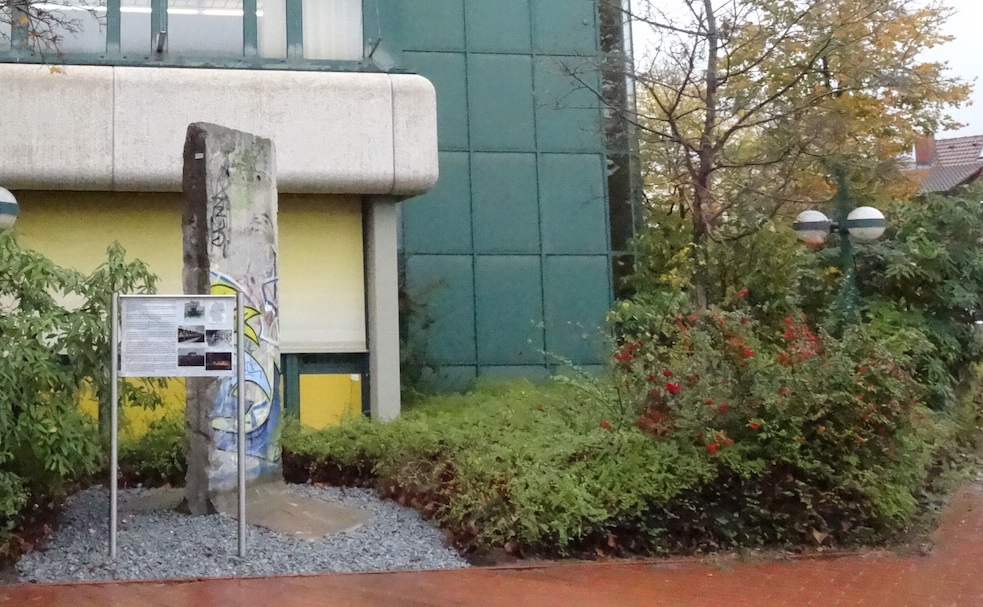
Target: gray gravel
<point>165,544</point>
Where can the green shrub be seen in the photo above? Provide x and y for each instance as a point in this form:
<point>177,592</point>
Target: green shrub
<point>156,458</point>
<point>49,353</point>
<point>528,467</point>
<point>808,434</point>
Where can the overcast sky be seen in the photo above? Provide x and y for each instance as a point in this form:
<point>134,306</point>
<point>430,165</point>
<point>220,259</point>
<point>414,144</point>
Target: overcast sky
<point>965,57</point>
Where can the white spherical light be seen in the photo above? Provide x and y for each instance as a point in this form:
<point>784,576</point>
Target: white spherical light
<point>812,227</point>
<point>8,209</point>
<point>865,224</point>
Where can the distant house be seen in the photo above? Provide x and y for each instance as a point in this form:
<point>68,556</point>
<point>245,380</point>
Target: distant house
<point>942,165</point>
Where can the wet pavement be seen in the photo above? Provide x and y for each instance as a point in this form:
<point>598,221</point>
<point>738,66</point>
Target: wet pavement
<point>946,574</point>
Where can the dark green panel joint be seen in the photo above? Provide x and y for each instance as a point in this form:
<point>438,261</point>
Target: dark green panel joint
<point>112,26</point>
<point>250,29</point>
<point>295,29</point>
<point>20,35</point>
<point>158,27</point>
<point>291,385</point>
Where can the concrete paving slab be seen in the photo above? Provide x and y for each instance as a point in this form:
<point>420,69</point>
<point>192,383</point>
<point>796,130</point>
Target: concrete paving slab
<point>281,508</point>
<point>275,506</point>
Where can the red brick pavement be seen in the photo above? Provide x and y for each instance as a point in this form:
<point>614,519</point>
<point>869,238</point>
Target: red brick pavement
<point>949,576</point>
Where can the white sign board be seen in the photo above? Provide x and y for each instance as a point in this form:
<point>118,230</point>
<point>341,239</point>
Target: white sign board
<point>185,336</point>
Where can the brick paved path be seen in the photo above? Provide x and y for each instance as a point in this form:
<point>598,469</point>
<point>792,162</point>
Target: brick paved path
<point>948,577</point>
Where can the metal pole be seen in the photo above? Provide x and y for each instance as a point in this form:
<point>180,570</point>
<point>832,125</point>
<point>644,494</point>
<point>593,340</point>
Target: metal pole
<point>114,425</point>
<point>241,424</point>
<point>848,297</point>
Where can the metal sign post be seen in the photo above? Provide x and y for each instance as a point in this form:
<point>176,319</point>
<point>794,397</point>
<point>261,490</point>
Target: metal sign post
<point>241,421</point>
<point>177,336</point>
<point>114,428</point>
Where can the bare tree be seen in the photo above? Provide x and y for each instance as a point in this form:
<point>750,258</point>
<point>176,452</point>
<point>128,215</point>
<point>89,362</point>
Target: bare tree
<point>40,28</point>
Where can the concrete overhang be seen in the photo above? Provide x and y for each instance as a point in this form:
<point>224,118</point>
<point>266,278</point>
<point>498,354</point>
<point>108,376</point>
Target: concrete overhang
<point>123,128</point>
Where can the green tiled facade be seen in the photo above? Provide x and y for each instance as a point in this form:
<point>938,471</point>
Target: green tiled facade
<point>511,251</point>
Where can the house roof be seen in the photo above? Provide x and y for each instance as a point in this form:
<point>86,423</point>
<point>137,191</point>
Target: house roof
<point>945,178</point>
<point>956,161</point>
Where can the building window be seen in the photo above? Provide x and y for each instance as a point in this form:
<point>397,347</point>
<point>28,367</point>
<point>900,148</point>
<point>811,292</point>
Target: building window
<point>172,30</point>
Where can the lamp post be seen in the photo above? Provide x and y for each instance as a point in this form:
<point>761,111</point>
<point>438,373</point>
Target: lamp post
<point>8,209</point>
<point>862,224</point>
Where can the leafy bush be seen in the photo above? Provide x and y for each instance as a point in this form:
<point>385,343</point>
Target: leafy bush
<point>49,352</point>
<point>156,458</point>
<point>808,434</point>
<point>924,278</point>
<point>524,467</point>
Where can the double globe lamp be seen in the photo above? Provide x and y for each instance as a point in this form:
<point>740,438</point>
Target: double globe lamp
<point>863,224</point>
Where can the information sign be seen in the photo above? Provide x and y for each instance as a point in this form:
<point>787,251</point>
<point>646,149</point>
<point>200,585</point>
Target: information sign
<point>167,336</point>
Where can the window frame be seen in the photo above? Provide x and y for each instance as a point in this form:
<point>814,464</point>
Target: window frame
<point>21,52</point>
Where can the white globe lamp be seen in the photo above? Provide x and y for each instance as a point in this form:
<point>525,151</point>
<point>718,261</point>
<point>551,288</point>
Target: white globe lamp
<point>812,227</point>
<point>865,224</point>
<point>8,209</point>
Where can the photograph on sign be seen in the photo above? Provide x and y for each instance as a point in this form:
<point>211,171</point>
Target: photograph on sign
<point>177,336</point>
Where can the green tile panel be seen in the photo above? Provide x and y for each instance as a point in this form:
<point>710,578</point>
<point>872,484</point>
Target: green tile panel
<point>500,103</point>
<point>564,27</point>
<point>509,372</point>
<point>440,220</point>
<point>506,211</point>
<point>568,111</point>
<point>456,378</point>
<point>447,72</point>
<point>429,25</point>
<point>572,203</point>
<point>444,284</point>
<point>575,307</point>
<point>509,313</point>
<point>498,26</point>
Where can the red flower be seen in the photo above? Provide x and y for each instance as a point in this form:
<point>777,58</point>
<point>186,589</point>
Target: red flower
<point>605,424</point>
<point>788,320</point>
<point>722,408</point>
<point>728,442</point>
<point>651,378</point>
<point>743,293</point>
<point>709,401</point>
<point>672,388</point>
<point>754,425</point>
<point>666,373</point>
<point>748,352</point>
<point>712,448</point>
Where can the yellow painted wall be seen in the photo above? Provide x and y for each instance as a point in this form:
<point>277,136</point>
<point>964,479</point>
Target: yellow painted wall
<point>327,400</point>
<point>321,286</point>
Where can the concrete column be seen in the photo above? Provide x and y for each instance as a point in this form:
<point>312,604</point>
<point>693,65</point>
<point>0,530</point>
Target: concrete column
<point>382,289</point>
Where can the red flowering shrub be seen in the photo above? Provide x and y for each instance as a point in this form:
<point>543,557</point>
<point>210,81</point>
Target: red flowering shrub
<point>808,433</point>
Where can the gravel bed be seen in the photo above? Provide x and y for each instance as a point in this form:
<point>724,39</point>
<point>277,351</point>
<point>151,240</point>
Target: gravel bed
<point>164,544</point>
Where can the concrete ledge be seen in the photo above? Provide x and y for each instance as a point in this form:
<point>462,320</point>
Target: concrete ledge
<point>56,127</point>
<point>122,128</point>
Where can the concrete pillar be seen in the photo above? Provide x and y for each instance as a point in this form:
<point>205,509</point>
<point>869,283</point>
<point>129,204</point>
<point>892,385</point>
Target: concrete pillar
<point>230,245</point>
<point>382,287</point>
